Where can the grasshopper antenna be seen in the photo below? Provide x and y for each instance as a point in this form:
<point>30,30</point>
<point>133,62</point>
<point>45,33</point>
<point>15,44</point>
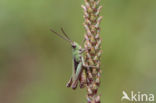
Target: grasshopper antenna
<point>66,35</point>
<point>65,38</point>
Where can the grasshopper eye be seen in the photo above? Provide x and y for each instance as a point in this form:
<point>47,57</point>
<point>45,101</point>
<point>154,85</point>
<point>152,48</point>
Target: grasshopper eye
<point>74,46</point>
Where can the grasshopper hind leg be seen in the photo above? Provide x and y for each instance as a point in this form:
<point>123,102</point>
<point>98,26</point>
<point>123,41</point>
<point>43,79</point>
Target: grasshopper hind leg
<point>72,84</point>
<point>77,76</point>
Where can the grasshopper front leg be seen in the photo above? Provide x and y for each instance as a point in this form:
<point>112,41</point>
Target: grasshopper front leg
<point>83,62</point>
<point>86,66</point>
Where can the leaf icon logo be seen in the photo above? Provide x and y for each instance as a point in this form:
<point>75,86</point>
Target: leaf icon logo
<point>125,96</point>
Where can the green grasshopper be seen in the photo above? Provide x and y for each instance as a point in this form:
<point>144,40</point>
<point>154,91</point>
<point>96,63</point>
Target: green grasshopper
<point>78,60</point>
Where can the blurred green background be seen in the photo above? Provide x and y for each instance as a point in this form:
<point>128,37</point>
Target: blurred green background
<point>35,64</point>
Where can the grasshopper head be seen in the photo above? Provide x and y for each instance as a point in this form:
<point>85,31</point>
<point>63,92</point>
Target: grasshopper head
<point>75,46</point>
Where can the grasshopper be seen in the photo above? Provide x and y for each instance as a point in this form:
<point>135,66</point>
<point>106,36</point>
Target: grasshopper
<point>78,60</point>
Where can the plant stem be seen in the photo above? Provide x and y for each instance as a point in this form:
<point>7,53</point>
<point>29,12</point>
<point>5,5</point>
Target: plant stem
<point>93,46</point>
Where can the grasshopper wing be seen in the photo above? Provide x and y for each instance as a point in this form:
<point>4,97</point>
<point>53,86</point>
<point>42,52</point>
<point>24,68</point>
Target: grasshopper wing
<point>73,77</point>
<point>76,63</point>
